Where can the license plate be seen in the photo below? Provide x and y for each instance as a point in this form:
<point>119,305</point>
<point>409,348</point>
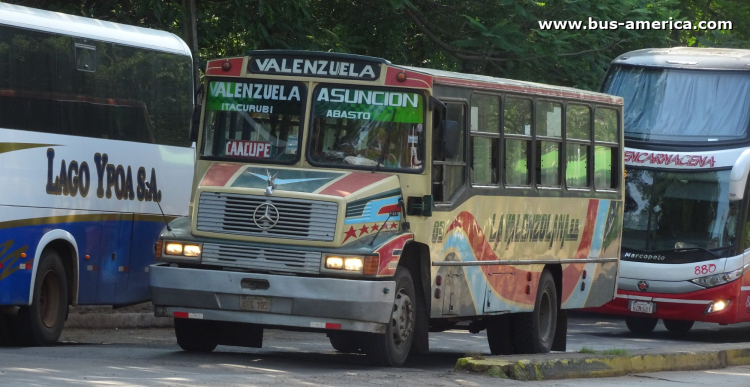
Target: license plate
<point>642,306</point>
<point>256,304</point>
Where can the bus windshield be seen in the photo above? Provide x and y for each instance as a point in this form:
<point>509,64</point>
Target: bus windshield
<point>361,128</point>
<point>253,120</point>
<point>673,105</point>
<point>678,211</point>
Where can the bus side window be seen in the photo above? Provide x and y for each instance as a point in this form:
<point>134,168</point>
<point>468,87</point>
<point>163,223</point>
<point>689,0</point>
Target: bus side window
<point>577,145</point>
<point>448,173</point>
<point>517,130</point>
<point>549,143</point>
<point>485,139</point>
<point>605,149</point>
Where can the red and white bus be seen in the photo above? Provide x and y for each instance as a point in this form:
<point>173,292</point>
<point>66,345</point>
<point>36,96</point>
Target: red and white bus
<point>686,237</point>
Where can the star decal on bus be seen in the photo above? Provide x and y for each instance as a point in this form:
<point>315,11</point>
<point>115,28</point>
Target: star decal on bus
<point>352,233</point>
<point>363,230</point>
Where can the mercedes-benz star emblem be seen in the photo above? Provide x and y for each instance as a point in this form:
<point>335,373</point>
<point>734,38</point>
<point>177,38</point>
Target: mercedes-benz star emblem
<point>642,286</point>
<point>266,216</point>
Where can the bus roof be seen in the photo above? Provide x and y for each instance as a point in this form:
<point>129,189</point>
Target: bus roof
<point>60,23</point>
<point>688,58</point>
<point>458,79</point>
<point>511,85</point>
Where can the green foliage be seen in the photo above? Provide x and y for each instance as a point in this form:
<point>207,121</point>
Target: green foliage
<point>493,37</point>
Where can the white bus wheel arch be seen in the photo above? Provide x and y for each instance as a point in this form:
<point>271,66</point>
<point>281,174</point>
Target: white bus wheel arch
<point>65,244</point>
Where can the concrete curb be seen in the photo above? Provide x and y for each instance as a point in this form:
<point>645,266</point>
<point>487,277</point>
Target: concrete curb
<point>105,317</point>
<point>577,365</point>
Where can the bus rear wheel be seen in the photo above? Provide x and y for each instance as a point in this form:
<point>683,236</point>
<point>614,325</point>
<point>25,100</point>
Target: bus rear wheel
<point>392,348</point>
<point>678,326</point>
<point>41,323</point>
<point>535,332</point>
<point>348,342</point>
<point>641,325</point>
<point>195,335</point>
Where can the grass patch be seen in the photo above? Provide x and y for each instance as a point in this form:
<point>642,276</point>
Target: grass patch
<point>611,352</point>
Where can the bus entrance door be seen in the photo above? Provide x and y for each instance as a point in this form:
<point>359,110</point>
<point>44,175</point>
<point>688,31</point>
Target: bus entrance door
<point>114,267</point>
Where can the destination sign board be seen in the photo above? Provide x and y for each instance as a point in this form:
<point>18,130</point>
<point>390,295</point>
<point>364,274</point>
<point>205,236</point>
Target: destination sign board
<point>312,66</point>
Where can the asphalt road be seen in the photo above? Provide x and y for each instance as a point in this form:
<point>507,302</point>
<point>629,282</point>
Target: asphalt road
<point>151,357</point>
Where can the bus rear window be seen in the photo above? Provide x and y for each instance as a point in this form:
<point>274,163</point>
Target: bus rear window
<point>674,105</point>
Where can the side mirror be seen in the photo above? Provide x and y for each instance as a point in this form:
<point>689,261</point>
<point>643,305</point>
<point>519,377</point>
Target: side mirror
<point>451,138</point>
<point>738,176</point>
<point>195,122</point>
<point>419,206</point>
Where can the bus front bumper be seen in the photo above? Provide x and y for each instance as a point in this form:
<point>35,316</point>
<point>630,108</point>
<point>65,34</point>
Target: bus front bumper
<point>295,302</point>
<point>682,306</point>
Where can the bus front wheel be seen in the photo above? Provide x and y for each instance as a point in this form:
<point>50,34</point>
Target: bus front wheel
<point>195,335</point>
<point>392,348</point>
<point>535,332</point>
<point>641,325</point>
<point>41,323</point>
<point>678,326</point>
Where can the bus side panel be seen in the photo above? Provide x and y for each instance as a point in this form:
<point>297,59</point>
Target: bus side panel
<point>482,230</point>
<point>15,275</point>
<point>145,234</point>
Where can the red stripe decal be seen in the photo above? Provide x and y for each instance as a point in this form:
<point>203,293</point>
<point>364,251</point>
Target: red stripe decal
<point>218,175</point>
<point>180,315</point>
<point>351,183</point>
<point>333,326</point>
<point>413,79</point>
<point>588,230</point>
<point>389,209</point>
<point>214,67</point>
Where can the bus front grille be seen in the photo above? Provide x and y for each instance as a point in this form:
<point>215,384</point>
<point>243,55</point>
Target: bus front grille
<point>267,216</point>
<point>264,259</point>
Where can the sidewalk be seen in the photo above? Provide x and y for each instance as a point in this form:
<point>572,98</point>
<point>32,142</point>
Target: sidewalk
<point>573,365</point>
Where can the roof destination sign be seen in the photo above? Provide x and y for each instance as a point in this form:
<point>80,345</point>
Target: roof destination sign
<point>314,66</point>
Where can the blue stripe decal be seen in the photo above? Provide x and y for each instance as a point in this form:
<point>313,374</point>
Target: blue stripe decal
<point>601,220</point>
<point>371,209</point>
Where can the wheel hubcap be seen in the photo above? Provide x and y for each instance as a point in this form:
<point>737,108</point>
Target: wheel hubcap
<point>402,319</point>
<point>49,299</point>
<point>545,317</point>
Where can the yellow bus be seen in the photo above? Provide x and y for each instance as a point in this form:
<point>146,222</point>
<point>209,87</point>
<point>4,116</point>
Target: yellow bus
<point>377,203</point>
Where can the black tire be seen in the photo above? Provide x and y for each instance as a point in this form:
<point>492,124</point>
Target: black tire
<point>641,325</point>
<point>41,323</point>
<point>678,326</point>
<point>195,335</point>
<point>500,335</point>
<point>348,342</point>
<point>392,348</point>
<point>7,326</point>
<point>535,332</point>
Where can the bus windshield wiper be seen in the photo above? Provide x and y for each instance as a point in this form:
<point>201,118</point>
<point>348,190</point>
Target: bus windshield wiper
<point>684,249</point>
<point>387,142</point>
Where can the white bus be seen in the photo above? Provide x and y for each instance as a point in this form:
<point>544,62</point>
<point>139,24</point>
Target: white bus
<point>94,122</point>
<point>685,245</point>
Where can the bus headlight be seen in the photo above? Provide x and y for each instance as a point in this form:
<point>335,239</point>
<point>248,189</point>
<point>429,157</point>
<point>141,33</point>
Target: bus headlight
<point>336,263</point>
<point>353,264</point>
<point>191,250</point>
<point>185,251</point>
<point>719,279</point>
<point>367,265</point>
<point>173,248</point>
<point>717,306</point>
